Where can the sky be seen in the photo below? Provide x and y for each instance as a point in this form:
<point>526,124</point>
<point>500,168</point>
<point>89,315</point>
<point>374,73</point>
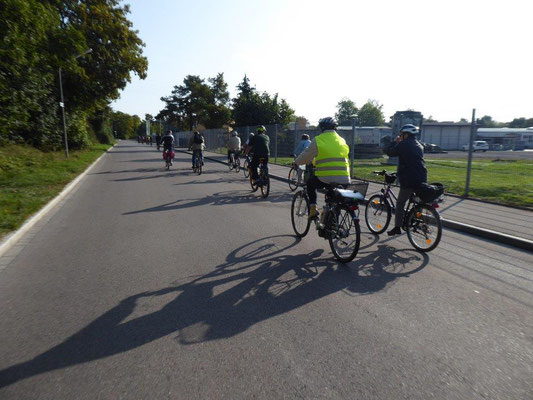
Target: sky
<point>440,57</point>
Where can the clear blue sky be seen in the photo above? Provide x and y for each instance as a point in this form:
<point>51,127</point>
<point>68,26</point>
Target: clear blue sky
<point>442,58</point>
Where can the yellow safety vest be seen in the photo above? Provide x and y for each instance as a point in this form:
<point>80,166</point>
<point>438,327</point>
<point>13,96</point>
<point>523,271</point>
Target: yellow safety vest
<point>332,158</point>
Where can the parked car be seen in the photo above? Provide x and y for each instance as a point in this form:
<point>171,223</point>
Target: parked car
<point>432,148</point>
<point>478,145</point>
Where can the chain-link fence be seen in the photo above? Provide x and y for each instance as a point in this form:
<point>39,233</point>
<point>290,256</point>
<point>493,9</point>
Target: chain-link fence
<point>366,141</point>
<point>501,176</point>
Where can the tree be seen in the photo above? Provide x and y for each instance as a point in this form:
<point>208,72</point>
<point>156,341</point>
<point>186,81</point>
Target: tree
<point>252,108</point>
<point>371,114</point>
<point>346,109</point>
<point>521,123</point>
<point>486,121</point>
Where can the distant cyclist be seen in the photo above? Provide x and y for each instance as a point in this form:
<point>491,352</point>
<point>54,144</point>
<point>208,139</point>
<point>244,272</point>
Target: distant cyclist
<point>197,145</point>
<point>411,170</point>
<point>234,145</point>
<point>330,152</point>
<point>168,143</point>
<point>259,145</point>
<point>304,144</point>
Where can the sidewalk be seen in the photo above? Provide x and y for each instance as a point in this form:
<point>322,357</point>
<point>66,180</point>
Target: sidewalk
<point>505,224</point>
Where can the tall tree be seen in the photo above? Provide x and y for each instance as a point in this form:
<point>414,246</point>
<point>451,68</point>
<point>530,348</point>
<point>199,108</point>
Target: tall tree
<point>346,109</point>
<point>252,108</point>
<point>371,114</point>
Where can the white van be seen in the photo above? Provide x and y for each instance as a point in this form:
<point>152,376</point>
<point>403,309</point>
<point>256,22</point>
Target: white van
<point>478,145</point>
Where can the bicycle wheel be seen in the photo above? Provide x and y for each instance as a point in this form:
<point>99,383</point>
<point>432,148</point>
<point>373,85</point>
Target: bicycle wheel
<point>199,167</point>
<point>300,214</point>
<point>237,166</point>
<point>265,184</point>
<point>424,227</point>
<point>293,179</point>
<point>377,214</point>
<point>245,169</point>
<point>253,185</point>
<point>344,234</point>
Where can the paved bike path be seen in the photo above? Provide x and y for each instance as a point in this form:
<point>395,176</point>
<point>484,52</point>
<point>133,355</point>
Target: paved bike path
<point>487,216</point>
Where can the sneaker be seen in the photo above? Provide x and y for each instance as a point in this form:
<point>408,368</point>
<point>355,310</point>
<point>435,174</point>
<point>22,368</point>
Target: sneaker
<point>395,231</point>
<point>313,213</point>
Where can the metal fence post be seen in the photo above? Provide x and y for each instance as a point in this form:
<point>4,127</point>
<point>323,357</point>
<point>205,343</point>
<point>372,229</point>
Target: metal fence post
<point>276,144</point>
<point>352,155</point>
<point>470,148</point>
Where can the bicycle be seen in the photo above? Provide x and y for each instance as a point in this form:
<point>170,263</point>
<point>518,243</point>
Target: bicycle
<point>421,219</point>
<point>246,166</point>
<point>168,158</point>
<point>263,180</point>
<point>234,162</point>
<point>197,162</point>
<point>338,222</point>
<point>296,176</point>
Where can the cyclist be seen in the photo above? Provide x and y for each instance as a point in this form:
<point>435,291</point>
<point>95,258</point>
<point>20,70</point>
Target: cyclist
<point>411,169</point>
<point>304,144</point>
<point>330,152</point>
<point>259,145</point>
<point>234,145</point>
<point>168,143</point>
<point>196,144</point>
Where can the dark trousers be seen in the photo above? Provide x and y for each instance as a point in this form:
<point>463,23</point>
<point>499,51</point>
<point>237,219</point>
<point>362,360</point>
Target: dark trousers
<point>313,184</point>
<point>403,197</point>
<point>199,155</point>
<point>255,163</point>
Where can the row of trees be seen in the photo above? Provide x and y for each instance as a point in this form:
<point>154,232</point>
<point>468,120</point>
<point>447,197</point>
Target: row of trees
<point>197,102</point>
<point>39,37</point>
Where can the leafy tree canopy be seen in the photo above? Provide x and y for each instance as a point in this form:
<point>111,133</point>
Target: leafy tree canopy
<point>346,109</point>
<point>371,114</point>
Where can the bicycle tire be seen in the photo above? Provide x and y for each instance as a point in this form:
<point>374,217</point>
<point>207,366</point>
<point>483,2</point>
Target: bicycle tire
<point>300,216</point>
<point>254,186</point>
<point>245,169</point>
<point>265,187</point>
<point>199,168</point>
<point>293,179</point>
<point>375,221</point>
<point>343,215</point>
<point>424,227</point>
<point>237,166</point>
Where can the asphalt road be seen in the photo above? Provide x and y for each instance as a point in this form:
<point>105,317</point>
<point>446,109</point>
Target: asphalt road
<point>154,284</point>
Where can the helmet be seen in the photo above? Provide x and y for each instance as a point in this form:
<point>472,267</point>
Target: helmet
<point>327,123</point>
<point>170,132</point>
<point>234,133</point>
<point>305,136</point>
<point>261,129</point>
<point>409,129</point>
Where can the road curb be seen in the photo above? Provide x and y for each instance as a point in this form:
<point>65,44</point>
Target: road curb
<point>458,226</point>
<point>12,238</point>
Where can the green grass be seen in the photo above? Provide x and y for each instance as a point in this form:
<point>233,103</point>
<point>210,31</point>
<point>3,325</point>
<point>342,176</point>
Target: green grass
<point>508,182</point>
<point>30,178</point>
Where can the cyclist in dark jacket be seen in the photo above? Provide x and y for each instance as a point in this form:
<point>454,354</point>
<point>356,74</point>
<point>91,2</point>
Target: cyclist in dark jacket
<point>411,170</point>
<point>259,146</point>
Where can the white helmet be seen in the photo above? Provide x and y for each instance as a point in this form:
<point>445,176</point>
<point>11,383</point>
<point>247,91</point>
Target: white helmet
<point>234,133</point>
<point>410,129</point>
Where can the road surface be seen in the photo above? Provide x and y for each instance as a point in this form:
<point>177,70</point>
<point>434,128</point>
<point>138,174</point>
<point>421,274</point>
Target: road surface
<point>154,284</point>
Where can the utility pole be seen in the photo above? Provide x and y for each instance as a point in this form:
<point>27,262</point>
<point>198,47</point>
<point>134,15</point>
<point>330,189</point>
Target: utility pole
<point>470,151</point>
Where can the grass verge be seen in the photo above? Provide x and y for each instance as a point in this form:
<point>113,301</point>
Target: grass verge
<point>507,182</point>
<point>30,178</point>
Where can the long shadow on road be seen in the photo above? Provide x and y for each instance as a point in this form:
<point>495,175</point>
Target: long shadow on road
<point>258,281</point>
<point>216,199</point>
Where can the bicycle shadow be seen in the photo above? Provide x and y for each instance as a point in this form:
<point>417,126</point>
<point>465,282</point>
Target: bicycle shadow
<point>257,281</point>
<point>216,199</point>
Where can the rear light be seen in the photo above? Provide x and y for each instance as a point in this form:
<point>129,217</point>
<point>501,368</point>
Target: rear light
<point>435,205</point>
<point>353,208</point>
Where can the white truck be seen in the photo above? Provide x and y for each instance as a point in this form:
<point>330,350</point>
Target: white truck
<point>478,145</point>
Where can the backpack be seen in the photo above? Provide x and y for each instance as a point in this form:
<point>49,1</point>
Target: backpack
<point>429,193</point>
<point>198,139</point>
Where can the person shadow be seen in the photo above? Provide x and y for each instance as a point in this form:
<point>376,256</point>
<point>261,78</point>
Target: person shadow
<point>258,281</point>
